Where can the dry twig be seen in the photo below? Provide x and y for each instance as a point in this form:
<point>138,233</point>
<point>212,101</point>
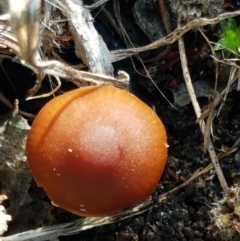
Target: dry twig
<point>197,110</point>
<point>173,36</point>
<point>26,29</point>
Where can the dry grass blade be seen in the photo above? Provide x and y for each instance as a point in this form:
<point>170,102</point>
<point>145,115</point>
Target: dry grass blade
<point>197,110</point>
<point>173,36</point>
<point>232,149</point>
<point>218,100</point>
<point>26,27</point>
<point>95,5</point>
<point>7,40</point>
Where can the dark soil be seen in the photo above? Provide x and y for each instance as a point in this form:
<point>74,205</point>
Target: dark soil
<point>184,215</point>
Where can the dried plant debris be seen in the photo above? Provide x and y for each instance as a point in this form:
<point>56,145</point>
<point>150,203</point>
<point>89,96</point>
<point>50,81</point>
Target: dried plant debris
<point>15,176</point>
<point>89,45</point>
<point>190,9</point>
<point>226,215</point>
<point>181,96</point>
<point>38,44</point>
<point>4,218</point>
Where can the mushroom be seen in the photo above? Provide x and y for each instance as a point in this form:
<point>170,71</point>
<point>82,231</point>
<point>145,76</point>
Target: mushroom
<point>97,150</point>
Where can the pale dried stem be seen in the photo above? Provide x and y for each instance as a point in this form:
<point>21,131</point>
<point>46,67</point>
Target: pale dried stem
<point>95,5</point>
<point>197,110</point>
<point>196,174</point>
<point>173,36</point>
<point>89,45</point>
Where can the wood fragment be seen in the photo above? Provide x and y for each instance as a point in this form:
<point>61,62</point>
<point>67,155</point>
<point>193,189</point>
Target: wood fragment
<point>89,45</point>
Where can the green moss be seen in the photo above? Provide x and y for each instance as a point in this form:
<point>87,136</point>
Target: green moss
<point>230,38</point>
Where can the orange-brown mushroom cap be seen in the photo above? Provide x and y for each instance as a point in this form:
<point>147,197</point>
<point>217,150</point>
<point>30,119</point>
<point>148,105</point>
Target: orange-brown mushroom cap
<point>97,150</point>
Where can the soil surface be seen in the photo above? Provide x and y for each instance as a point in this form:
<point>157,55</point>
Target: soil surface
<point>185,214</point>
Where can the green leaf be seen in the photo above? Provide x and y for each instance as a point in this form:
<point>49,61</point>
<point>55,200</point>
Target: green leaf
<point>219,45</point>
<point>230,38</point>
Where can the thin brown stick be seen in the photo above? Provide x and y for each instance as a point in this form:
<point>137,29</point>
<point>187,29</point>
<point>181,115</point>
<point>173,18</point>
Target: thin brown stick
<point>196,174</point>
<point>197,110</point>
<point>49,93</point>
<point>173,36</point>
